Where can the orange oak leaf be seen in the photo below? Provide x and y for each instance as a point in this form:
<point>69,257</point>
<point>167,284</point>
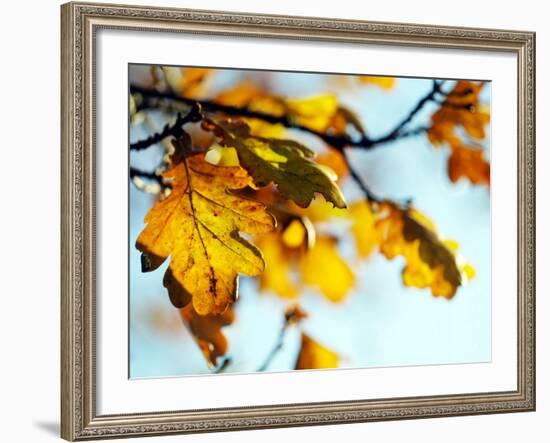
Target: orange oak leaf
<point>469,163</point>
<point>188,82</point>
<point>198,226</point>
<point>207,330</point>
<point>461,108</point>
<point>462,111</point>
<point>313,355</point>
<point>335,161</point>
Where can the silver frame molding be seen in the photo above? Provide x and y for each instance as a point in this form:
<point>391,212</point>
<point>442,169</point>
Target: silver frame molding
<point>79,23</point>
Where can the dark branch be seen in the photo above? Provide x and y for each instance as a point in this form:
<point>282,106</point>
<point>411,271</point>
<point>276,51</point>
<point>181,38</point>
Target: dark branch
<point>135,172</point>
<point>175,130</point>
<point>397,132</point>
<point>369,195</point>
<point>359,181</point>
<point>278,346</point>
<point>151,97</point>
<point>222,366</point>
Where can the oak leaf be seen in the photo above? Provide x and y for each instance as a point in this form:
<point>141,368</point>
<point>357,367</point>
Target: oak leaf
<point>198,226</point>
<point>290,266</point>
<point>334,160</point>
<point>313,355</point>
<point>248,94</point>
<point>277,277</point>
<point>431,262</point>
<point>367,237</point>
<point>188,82</point>
<point>462,111</point>
<point>469,163</point>
<point>319,113</point>
<point>324,268</point>
<point>207,331</point>
<point>287,163</point>
<point>294,314</point>
<point>387,83</point>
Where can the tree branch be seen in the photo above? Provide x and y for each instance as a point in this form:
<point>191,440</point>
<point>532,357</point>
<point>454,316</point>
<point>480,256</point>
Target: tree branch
<point>278,345</point>
<point>151,99</point>
<point>175,130</point>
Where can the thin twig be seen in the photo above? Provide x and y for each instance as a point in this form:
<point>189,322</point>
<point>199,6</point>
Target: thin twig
<point>175,130</point>
<point>150,98</point>
<point>278,346</point>
<point>395,133</point>
<point>222,366</point>
<point>135,172</point>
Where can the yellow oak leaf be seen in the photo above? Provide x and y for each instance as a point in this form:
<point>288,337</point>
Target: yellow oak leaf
<point>314,355</point>
<point>367,237</point>
<point>318,113</point>
<point>207,330</point>
<point>313,112</point>
<point>382,82</point>
<point>287,163</point>
<point>430,261</point>
<point>198,226</point>
<point>324,268</point>
<point>294,234</point>
<point>277,276</point>
<point>248,94</point>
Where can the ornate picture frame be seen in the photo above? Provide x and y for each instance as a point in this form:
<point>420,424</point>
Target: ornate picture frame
<point>80,22</point>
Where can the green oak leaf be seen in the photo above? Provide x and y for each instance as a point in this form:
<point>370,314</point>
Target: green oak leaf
<point>287,163</point>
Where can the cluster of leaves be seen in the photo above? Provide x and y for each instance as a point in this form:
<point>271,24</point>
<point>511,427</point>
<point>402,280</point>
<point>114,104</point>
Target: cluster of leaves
<point>228,174</point>
<point>462,110</point>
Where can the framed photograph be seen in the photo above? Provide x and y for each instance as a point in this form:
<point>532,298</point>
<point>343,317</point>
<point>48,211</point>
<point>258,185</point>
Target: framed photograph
<point>283,221</point>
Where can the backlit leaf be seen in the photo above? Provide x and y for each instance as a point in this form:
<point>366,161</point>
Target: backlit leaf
<point>462,112</point>
<point>313,112</point>
<point>188,82</point>
<point>367,237</point>
<point>314,355</point>
<point>334,160</point>
<point>469,163</point>
<point>322,267</point>
<point>319,113</point>
<point>277,277</point>
<point>430,262</point>
<point>287,163</point>
<point>382,82</point>
<point>207,330</point>
<point>198,226</point>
